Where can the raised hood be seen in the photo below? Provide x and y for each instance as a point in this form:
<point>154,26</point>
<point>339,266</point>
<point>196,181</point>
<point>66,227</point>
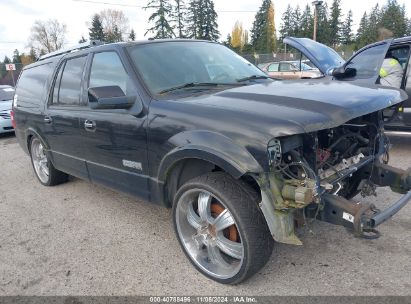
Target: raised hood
<point>322,56</point>
<point>292,107</point>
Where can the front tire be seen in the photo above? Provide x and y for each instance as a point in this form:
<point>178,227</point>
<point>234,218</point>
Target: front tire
<point>43,167</point>
<point>221,228</point>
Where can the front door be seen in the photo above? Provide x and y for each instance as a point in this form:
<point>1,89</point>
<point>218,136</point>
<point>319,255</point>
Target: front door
<point>61,120</point>
<point>114,140</point>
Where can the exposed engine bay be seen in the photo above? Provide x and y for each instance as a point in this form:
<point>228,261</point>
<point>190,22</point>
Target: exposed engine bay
<point>316,174</point>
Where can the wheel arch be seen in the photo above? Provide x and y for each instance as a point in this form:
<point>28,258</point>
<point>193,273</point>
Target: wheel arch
<point>190,163</point>
<point>30,133</point>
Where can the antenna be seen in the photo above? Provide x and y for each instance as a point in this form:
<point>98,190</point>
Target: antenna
<point>77,47</point>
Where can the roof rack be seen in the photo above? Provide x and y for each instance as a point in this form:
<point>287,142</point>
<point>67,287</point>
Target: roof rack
<point>77,47</point>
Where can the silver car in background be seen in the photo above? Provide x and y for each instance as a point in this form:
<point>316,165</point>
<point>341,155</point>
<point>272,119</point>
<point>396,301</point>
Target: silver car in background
<point>6,101</point>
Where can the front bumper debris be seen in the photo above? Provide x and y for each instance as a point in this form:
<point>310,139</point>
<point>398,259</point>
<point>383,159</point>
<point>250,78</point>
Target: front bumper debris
<point>361,218</point>
<point>281,200</point>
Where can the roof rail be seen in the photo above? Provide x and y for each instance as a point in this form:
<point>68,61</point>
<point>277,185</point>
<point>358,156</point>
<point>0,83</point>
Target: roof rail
<point>74,48</point>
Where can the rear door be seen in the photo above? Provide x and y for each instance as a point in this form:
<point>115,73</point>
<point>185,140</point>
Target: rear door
<point>61,120</point>
<point>114,141</point>
<point>287,71</point>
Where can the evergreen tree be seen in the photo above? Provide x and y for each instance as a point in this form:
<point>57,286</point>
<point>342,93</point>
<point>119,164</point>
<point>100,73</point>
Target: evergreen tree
<point>132,36</point>
<point>263,31</point>
<point>114,36</point>
<point>296,22</point>
<point>346,33</point>
<point>393,18</point>
<point>192,20</point>
<point>96,30</point>
<point>307,23</point>
<point>210,28</point>
<point>16,56</point>
<point>335,26</point>
<point>362,31</point>
<point>373,25</point>
<point>32,54</point>
<point>82,40</point>
<point>323,25</point>
<point>286,28</point>
<point>6,60</point>
<point>227,41</point>
<point>161,18</point>
<point>202,20</point>
<point>179,18</point>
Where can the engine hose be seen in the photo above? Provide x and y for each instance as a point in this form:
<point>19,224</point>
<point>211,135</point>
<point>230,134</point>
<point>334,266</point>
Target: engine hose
<point>362,139</point>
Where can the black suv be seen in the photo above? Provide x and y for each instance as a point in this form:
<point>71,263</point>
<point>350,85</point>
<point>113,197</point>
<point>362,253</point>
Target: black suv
<point>191,125</point>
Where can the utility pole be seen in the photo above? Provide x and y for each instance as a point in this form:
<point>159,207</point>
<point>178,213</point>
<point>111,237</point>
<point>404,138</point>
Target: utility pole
<point>316,5</point>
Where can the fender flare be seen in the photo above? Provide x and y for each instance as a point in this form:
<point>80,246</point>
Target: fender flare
<point>211,147</point>
<point>32,132</point>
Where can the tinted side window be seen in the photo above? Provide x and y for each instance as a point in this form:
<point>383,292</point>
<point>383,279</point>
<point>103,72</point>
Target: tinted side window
<point>367,62</point>
<point>32,83</point>
<point>70,85</point>
<point>285,67</point>
<point>57,85</point>
<point>107,70</point>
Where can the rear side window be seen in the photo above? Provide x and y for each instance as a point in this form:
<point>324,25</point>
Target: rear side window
<point>285,67</point>
<point>32,83</point>
<point>107,70</point>
<point>70,83</point>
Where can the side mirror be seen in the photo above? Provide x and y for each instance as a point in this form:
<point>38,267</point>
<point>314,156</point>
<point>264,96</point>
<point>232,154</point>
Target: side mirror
<point>343,71</point>
<point>109,97</point>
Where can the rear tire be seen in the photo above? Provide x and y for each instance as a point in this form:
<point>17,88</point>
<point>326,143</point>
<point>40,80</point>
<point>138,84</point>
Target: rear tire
<point>43,167</point>
<point>221,228</point>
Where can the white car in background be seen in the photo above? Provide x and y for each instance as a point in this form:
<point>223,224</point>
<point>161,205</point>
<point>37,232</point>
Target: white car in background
<point>6,101</point>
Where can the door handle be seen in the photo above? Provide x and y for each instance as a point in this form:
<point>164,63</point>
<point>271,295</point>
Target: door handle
<point>89,125</point>
<point>48,120</point>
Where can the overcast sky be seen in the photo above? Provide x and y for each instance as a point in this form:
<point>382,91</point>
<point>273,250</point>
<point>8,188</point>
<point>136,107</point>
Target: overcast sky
<point>17,16</point>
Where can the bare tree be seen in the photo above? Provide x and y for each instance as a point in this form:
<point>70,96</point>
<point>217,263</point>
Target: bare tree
<point>114,21</point>
<point>47,36</point>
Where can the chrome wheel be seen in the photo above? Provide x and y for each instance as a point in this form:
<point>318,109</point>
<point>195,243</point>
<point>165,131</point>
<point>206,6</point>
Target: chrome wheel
<point>209,234</point>
<point>40,162</point>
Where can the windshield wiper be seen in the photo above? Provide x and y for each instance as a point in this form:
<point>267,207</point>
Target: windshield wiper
<point>196,84</point>
<point>253,77</point>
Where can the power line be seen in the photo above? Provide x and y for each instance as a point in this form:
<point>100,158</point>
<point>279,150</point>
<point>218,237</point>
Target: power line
<point>140,6</point>
<point>109,3</point>
<point>12,42</point>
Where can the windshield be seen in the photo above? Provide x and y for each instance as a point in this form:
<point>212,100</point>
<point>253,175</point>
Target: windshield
<point>6,93</point>
<point>167,65</point>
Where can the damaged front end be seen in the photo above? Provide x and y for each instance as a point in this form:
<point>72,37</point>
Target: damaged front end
<point>316,175</point>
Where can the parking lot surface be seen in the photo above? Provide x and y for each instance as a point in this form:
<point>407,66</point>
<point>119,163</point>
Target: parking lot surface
<point>83,239</point>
